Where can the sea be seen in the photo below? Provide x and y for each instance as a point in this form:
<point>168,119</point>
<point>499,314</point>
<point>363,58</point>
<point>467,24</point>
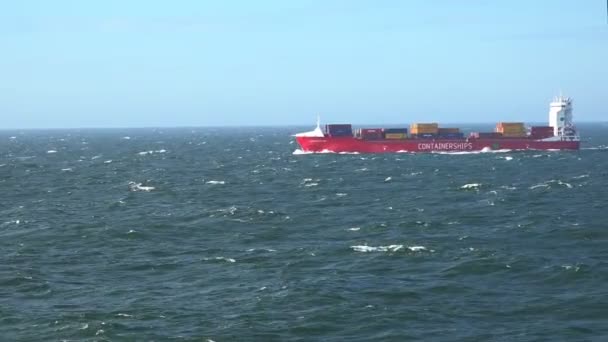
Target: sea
<point>234,234</point>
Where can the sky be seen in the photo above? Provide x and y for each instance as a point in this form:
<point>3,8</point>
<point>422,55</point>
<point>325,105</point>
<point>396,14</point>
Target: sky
<point>147,63</point>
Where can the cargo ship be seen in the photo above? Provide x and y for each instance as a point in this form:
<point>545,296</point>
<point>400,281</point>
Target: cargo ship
<point>560,134</point>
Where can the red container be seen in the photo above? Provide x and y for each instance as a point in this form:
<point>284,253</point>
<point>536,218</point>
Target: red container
<point>541,129</point>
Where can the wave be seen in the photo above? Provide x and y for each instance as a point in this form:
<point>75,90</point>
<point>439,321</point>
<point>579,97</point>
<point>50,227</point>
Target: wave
<point>139,187</point>
<point>472,186</point>
<point>143,153</point>
<point>299,152</point>
<point>220,258</point>
<point>548,184</point>
<point>389,248</point>
<point>472,152</point>
<point>215,182</point>
<point>367,249</point>
<point>601,147</point>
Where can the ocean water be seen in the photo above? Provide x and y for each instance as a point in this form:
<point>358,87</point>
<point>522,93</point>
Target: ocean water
<point>216,234</point>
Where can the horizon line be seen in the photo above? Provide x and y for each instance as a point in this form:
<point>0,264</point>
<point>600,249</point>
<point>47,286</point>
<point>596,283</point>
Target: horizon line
<point>250,126</point>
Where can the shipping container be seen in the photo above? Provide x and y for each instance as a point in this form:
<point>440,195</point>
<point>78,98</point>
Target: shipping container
<point>424,128</point>
<point>445,130</point>
<point>510,127</point>
<point>510,124</point>
<point>370,134</point>
<point>450,135</point>
<point>543,129</point>
<point>340,130</point>
<point>514,135</point>
<point>395,136</point>
<point>395,130</point>
<point>424,136</point>
<point>371,130</point>
<point>373,136</point>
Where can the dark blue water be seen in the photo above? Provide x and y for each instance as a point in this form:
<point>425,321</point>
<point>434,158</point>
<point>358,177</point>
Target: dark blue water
<point>226,235</point>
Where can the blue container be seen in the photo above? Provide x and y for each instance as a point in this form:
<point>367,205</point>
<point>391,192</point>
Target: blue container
<point>339,130</point>
<point>425,136</point>
<point>395,130</point>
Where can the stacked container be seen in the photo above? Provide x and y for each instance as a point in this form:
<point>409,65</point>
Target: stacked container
<point>370,134</point>
<point>424,128</point>
<point>541,132</point>
<point>395,133</point>
<point>511,129</point>
<point>445,130</point>
<point>342,130</point>
<point>449,133</point>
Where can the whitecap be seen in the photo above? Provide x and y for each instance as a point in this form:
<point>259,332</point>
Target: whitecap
<point>96,157</point>
<point>222,258</point>
<point>67,169</point>
<point>367,249</point>
<point>543,185</point>
<point>126,138</point>
<point>595,148</point>
<point>581,176</point>
<point>311,184</point>
<point>123,315</point>
<point>340,194</point>
<point>349,153</point>
<point>215,182</point>
<point>51,151</point>
<point>143,153</point>
<point>298,152</point>
<point>139,187</point>
<point>416,248</point>
<point>508,158</point>
<point>471,186</point>
<point>354,229</point>
<point>388,179</point>
<point>107,161</point>
<point>327,151</point>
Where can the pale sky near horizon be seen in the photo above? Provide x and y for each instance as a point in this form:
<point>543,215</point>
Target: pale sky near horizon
<point>274,62</point>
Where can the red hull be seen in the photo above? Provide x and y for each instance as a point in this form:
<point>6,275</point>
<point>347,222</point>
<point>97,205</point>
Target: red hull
<point>351,144</point>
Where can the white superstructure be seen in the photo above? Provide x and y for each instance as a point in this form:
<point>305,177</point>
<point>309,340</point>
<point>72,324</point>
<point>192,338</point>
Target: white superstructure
<point>560,118</point>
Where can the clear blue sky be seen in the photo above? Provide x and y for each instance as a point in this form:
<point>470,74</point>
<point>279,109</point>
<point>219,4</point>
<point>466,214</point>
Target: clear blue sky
<point>117,63</point>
